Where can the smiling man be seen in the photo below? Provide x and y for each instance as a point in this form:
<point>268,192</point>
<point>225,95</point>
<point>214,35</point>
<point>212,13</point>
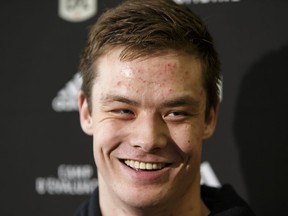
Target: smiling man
<point>149,98</point>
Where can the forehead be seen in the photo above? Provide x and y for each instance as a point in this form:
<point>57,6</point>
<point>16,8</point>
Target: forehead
<point>169,63</point>
<point>172,72</point>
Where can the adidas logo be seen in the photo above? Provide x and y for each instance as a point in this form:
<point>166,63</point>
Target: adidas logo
<point>67,98</point>
<point>208,176</point>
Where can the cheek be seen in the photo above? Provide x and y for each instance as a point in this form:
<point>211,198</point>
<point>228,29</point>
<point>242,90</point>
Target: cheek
<point>187,138</point>
<point>106,137</point>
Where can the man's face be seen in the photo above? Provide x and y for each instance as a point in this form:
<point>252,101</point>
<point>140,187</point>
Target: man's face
<point>148,123</point>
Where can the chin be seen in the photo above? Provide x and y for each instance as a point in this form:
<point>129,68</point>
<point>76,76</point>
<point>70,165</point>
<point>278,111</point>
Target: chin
<point>145,198</point>
<point>143,203</point>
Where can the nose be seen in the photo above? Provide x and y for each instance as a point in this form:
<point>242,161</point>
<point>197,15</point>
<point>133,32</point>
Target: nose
<point>149,133</point>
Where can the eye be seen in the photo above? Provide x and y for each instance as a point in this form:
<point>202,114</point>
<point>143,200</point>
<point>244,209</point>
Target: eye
<point>176,116</point>
<point>123,113</point>
<point>177,113</point>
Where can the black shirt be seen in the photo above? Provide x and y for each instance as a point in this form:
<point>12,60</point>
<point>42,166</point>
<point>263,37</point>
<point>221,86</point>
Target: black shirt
<point>221,202</point>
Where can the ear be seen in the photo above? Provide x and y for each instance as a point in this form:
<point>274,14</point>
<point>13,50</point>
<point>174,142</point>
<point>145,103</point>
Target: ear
<point>85,116</point>
<point>211,121</point>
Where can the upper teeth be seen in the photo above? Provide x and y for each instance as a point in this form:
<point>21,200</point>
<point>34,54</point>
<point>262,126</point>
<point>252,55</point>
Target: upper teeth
<point>143,165</point>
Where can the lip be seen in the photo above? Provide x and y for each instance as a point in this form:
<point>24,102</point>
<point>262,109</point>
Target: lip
<point>143,176</point>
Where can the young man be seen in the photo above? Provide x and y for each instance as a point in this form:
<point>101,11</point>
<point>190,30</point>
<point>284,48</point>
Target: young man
<point>149,99</point>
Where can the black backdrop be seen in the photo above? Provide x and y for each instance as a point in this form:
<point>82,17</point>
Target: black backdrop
<point>47,165</point>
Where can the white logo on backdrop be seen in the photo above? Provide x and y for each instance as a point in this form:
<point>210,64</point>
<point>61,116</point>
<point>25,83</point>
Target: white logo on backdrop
<point>203,1</point>
<point>77,10</point>
<point>67,98</point>
<point>71,180</point>
<point>208,176</point>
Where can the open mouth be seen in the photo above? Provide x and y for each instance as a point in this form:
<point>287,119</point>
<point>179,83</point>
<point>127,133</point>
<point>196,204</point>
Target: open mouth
<point>139,165</point>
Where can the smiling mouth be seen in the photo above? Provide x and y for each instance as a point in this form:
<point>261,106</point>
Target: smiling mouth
<point>138,165</point>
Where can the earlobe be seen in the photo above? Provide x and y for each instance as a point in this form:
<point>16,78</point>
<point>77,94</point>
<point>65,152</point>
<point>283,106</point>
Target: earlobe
<point>85,116</point>
<point>211,121</point>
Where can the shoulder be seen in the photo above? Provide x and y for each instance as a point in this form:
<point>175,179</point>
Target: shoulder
<point>225,201</point>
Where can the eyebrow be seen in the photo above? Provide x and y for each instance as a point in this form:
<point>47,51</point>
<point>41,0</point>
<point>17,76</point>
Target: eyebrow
<point>118,98</point>
<point>185,100</point>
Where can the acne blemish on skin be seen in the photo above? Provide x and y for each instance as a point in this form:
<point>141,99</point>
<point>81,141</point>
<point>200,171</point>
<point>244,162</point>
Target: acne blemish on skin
<point>142,80</point>
<point>170,67</point>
